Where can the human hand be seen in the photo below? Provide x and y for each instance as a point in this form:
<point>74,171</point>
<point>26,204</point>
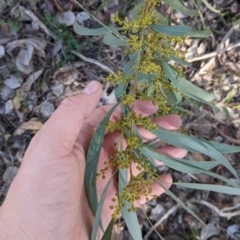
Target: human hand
<point>47,199</point>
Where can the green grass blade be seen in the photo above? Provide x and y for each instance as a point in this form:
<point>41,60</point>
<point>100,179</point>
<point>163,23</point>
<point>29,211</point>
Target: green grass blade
<point>110,39</point>
<point>130,218</point>
<point>108,233</point>
<point>179,202</point>
<point>92,161</point>
<point>171,30</point>
<point>210,7</point>
<point>97,219</point>
<point>194,145</point>
<point>177,5</point>
<point>211,187</point>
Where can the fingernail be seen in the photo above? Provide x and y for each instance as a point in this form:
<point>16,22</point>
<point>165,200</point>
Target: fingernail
<point>91,88</point>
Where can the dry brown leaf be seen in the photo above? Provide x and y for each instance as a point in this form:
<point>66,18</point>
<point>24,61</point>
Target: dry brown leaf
<point>18,12</point>
<point>38,44</point>
<point>40,24</point>
<point>21,93</point>
<point>32,125</point>
<point>2,51</point>
<point>68,74</point>
<point>23,60</point>
<point>32,4</point>
<point>67,18</point>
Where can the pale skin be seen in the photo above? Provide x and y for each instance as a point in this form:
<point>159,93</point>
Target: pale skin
<point>47,199</point>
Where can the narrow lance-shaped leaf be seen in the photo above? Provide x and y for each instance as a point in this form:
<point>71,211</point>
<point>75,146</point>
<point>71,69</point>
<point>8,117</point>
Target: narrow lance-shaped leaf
<point>168,192</point>
<point>200,33</point>
<point>92,160</point>
<point>91,32</point>
<point>176,4</point>
<point>179,60</point>
<point>222,148</point>
<point>104,3</point>
<point>188,166</point>
<point>97,218</point>
<point>199,2</point>
<point>210,7</point>
<point>184,85</point>
<point>171,30</point>
<point>129,217</point>
<point>138,7</point>
<point>110,39</point>
<point>211,187</point>
<point>194,145</point>
<point>108,233</point>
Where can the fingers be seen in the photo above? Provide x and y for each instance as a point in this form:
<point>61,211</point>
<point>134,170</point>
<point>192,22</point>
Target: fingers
<point>145,108</point>
<point>157,190</point>
<point>172,151</point>
<point>64,125</point>
<point>170,122</point>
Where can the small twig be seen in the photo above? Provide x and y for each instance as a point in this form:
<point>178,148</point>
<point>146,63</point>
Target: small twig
<point>163,218</point>
<point>93,61</point>
<point>230,139</point>
<point>57,5</point>
<point>223,212</point>
<point>215,53</point>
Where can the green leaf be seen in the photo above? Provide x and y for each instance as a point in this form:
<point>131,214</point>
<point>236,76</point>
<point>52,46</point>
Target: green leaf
<point>187,166</point>
<point>211,187</point>
<point>222,148</point>
<point>179,60</point>
<point>108,233</point>
<point>199,2</point>
<point>182,165</point>
<point>161,18</point>
<point>177,5</point>
<point>142,77</point>
<point>200,33</point>
<point>104,3</point>
<point>97,218</point>
<point>92,160</point>
<point>150,89</point>
<point>173,98</point>
<point>130,66</point>
<point>194,145</point>
<point>138,7</point>
<point>184,85</point>
<point>179,202</point>
<point>171,30</point>
<point>119,90</point>
<point>112,40</point>
<point>130,218</point>
<point>210,7</point>
<point>91,32</point>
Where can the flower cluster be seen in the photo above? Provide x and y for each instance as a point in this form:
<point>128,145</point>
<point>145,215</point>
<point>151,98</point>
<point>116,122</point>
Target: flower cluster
<point>146,81</point>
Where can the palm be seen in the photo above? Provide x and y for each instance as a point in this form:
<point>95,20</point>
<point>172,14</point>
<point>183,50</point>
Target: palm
<point>50,184</point>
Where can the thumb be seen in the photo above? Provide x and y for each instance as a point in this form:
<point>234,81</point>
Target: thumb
<point>64,125</point>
